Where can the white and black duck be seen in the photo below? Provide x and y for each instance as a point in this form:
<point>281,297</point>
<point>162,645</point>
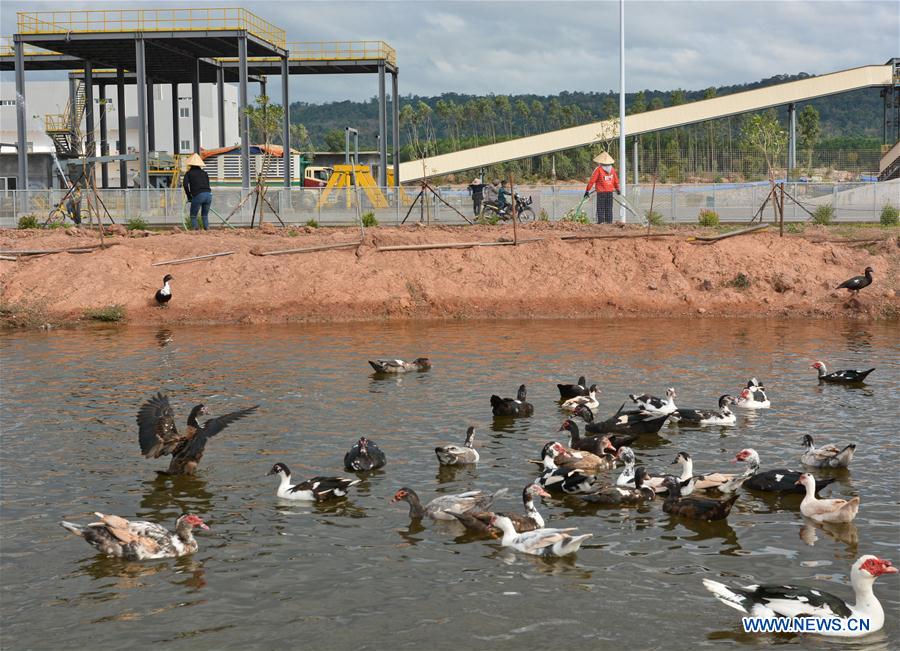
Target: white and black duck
<point>703,482</point>
<point>570,458</point>
<point>164,293</point>
<point>827,456</point>
<point>599,445</point>
<point>443,506</point>
<point>858,282</point>
<point>567,391</point>
<point>753,396</point>
<point>570,481</point>
<point>455,455</point>
<point>695,507</point>
<point>518,406</point>
<point>840,377</point>
<point>656,483</point>
<point>770,601</point>
<point>591,400</point>
<point>138,540</point>
<point>780,480</point>
<point>480,521</point>
<point>721,416</point>
<point>540,542</point>
<point>158,435</point>
<point>654,405</point>
<point>623,495</point>
<point>365,455</point>
<point>399,366</point>
<point>625,426</point>
<point>316,489</point>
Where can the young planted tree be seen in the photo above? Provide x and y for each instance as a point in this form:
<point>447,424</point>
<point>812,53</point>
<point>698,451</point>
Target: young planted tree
<point>809,132</point>
<point>763,133</point>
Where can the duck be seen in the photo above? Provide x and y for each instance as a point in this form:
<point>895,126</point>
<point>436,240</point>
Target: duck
<point>363,456</point>
<point>753,396</point>
<point>317,489</point>
<point>598,445</point>
<point>840,377</point>
<point>722,416</point>
<point>567,391</point>
<point>654,405</point>
<point>706,481</point>
<point>857,283</point>
<point>656,483</point>
<point>454,455</point>
<point>570,458</point>
<point>481,521</point>
<point>624,427</point>
<point>164,294</point>
<point>620,495</point>
<point>694,507</point>
<point>442,507</point>
<point>399,366</point>
<point>780,480</point>
<point>138,540</point>
<point>831,510</point>
<point>518,406</point>
<point>770,601</point>
<point>827,456</point>
<point>590,400</point>
<point>565,480</point>
<point>158,435</point>
<point>540,542</point>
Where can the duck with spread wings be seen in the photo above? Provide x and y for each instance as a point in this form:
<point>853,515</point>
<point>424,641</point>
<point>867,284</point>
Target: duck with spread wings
<point>158,435</point>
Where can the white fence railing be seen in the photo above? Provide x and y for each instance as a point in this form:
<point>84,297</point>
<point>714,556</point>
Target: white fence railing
<point>852,202</point>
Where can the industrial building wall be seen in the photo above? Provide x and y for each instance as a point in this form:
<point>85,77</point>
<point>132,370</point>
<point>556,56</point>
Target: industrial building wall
<point>43,97</point>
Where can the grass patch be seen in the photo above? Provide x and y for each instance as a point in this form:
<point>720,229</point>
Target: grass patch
<point>368,219</point>
<point>28,221</point>
<point>136,224</point>
<point>543,216</point>
<point>485,219</point>
<point>794,228</point>
<point>312,223</point>
<point>27,314</point>
<point>106,314</point>
<point>708,217</point>
<point>823,215</point>
<point>890,216</point>
<point>740,281</point>
<point>653,218</point>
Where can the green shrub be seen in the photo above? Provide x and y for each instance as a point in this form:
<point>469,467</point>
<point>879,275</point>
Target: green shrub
<point>543,216</point>
<point>794,227</point>
<point>54,225</point>
<point>890,216</point>
<point>368,219</point>
<point>107,314</point>
<point>28,221</point>
<point>708,217</point>
<point>579,217</point>
<point>739,282</point>
<point>136,224</point>
<point>488,219</point>
<point>654,218</point>
<point>312,223</point>
<point>823,214</point>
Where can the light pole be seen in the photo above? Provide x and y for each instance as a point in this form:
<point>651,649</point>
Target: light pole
<point>622,152</point>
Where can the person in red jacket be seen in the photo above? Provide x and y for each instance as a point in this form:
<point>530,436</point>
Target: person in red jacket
<point>604,180</point>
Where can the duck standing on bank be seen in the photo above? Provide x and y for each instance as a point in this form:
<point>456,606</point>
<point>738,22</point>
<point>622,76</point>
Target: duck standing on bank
<point>540,542</point>
<point>567,391</point>
<point>857,282</point>
<point>399,366</point>
<point>654,405</point>
<point>164,294</point>
<point>833,510</point>
<point>827,456</point>
<point>364,456</point>
<point>518,406</point>
<point>158,435</point>
<point>840,377</point>
<point>454,455</point>
<point>770,601</point>
<point>316,489</point>
<point>138,540</point>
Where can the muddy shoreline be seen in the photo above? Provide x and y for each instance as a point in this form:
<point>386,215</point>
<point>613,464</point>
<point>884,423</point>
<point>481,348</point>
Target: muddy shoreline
<point>749,276</point>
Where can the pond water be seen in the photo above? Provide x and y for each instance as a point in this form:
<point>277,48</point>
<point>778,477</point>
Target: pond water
<point>356,573</point>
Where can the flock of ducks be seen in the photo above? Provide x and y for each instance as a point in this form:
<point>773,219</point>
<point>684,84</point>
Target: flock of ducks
<point>577,467</point>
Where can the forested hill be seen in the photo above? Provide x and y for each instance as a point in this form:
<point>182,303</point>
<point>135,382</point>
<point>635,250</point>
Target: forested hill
<point>851,115</point>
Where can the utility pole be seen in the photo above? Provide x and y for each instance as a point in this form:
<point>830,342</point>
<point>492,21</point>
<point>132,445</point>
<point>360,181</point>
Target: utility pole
<point>622,153</point>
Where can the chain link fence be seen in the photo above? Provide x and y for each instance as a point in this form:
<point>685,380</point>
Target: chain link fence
<point>852,202</point>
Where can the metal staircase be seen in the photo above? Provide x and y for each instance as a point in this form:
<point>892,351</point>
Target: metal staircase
<point>65,129</point>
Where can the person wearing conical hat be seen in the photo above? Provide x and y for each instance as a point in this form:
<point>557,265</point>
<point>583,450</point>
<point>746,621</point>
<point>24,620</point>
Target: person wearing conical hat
<point>198,191</point>
<point>605,181</point>
<point>476,189</point>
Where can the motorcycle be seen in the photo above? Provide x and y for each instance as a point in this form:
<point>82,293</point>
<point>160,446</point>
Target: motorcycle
<point>524,212</point>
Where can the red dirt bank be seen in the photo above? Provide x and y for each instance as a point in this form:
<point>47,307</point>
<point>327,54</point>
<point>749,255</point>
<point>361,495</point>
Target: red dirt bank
<point>791,276</point>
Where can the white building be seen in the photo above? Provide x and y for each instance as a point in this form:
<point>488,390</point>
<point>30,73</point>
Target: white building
<point>51,97</point>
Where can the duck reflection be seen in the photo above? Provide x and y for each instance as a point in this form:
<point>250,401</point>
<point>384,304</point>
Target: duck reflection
<point>168,494</point>
<point>410,534</point>
<point>191,573</point>
<point>163,337</point>
<point>845,533</point>
<point>448,474</point>
<point>550,565</point>
<point>127,573</point>
<point>340,508</point>
<point>718,529</point>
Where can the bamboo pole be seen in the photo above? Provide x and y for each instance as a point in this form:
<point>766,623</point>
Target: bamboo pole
<point>194,259</point>
<point>638,236</point>
<point>72,249</point>
<point>309,249</point>
<point>743,231</point>
<point>453,245</point>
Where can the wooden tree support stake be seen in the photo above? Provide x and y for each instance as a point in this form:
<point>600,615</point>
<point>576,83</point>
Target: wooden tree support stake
<point>639,236</point>
<point>453,245</point>
<point>73,249</point>
<point>309,249</point>
<point>194,259</point>
<point>743,231</point>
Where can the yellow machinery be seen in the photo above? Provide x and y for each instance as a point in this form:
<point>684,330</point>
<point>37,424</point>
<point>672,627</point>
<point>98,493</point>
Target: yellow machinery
<point>342,177</point>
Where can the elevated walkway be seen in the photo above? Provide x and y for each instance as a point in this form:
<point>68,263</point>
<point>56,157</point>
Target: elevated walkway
<point>665,118</point>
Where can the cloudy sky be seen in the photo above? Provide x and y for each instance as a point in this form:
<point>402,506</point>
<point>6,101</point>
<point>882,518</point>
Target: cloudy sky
<point>547,47</point>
